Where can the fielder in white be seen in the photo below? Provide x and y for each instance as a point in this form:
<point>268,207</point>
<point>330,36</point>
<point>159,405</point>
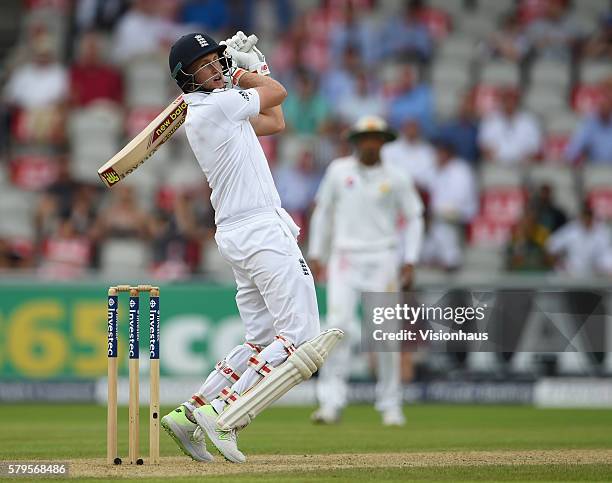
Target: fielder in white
<point>358,206</point>
<point>231,100</point>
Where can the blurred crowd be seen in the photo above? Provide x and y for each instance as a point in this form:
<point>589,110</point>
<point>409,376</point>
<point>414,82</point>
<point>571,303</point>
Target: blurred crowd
<point>504,110</point>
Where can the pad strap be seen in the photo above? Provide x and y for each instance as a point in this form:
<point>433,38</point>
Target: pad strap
<point>228,395</point>
<point>289,347</point>
<point>261,366</point>
<point>198,398</point>
<point>227,371</point>
<point>256,348</point>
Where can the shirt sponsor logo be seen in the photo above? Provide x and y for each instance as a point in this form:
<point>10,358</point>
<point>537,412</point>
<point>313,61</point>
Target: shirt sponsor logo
<point>305,270</point>
<point>246,95</point>
<point>385,188</point>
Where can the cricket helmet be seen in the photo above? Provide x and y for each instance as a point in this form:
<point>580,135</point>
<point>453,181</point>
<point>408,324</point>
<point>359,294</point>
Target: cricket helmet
<point>187,50</point>
<point>371,125</point>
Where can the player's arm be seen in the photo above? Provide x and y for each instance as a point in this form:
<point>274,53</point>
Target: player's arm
<point>411,209</point>
<point>253,73</point>
<point>321,223</point>
<point>271,94</point>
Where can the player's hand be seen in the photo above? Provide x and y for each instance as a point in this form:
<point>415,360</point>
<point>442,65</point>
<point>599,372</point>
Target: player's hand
<point>256,62</point>
<point>240,59</point>
<point>407,276</point>
<point>239,41</point>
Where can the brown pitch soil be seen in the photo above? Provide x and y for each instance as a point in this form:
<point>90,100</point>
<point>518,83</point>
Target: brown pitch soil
<point>172,466</point>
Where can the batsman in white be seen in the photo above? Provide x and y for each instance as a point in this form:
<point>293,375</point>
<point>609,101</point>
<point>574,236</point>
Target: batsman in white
<point>355,222</point>
<point>231,100</point>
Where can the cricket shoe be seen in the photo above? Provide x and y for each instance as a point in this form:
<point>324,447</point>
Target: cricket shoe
<point>225,441</point>
<point>187,435</point>
<point>325,415</point>
<point>393,417</point>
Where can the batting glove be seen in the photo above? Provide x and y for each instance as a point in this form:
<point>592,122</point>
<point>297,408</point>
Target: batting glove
<point>256,61</point>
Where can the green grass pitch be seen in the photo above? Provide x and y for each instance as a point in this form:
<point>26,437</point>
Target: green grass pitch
<point>440,434</point>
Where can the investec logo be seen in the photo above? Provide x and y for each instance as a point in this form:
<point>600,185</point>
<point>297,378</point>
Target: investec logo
<point>133,335</point>
<point>153,328</point>
<point>112,328</point>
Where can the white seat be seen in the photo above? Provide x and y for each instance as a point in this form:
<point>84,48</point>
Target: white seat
<point>585,21</point>
<point>447,100</point>
<point>500,72</point>
<point>454,8</point>
<point>493,175</point>
<point>126,259</point>
<point>16,213</point>
<point>545,102</point>
<point>146,81</point>
<point>450,73</point>
<point>495,7</point>
<point>457,48</point>
<point>94,136</point>
<point>484,259</point>
<point>477,25</point>
<point>592,72</point>
<point>562,122</point>
<point>550,74</point>
<point>563,182</point>
<point>596,176</point>
<point>596,7</point>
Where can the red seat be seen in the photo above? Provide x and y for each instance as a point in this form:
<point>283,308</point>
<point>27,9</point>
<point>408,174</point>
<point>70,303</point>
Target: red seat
<point>503,204</point>
<point>33,172</point>
<point>554,146</point>
<point>532,9</point>
<point>586,97</point>
<point>600,200</point>
<point>60,5</point>
<point>437,22</point>
<point>486,98</point>
<point>488,232</point>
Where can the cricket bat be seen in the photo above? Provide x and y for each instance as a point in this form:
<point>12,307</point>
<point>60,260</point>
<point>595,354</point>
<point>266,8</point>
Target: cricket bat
<point>142,147</point>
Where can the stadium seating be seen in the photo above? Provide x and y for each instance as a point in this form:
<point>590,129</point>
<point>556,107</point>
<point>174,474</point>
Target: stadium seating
<point>127,259</point>
<point>147,81</point>
<point>558,92</point>
<point>94,135</point>
<point>597,187</point>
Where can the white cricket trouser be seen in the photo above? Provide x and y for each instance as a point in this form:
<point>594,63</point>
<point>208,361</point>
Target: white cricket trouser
<point>275,296</point>
<point>276,292</point>
<point>350,274</point>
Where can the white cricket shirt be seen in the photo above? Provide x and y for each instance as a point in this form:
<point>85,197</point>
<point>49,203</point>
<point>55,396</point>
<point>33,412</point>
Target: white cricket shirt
<point>358,208</point>
<point>229,153</point>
